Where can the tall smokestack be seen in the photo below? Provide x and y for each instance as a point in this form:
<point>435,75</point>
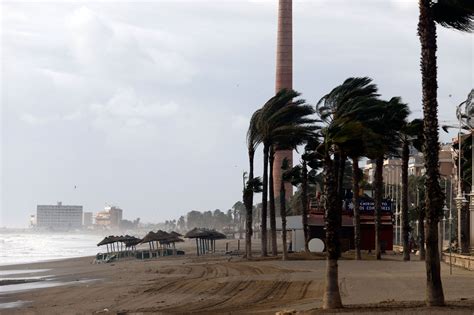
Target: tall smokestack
<point>284,80</point>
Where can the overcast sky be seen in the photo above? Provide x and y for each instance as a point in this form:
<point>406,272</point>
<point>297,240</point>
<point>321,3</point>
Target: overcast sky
<point>145,105</point>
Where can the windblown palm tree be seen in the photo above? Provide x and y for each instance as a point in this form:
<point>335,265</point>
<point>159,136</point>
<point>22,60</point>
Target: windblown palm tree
<point>356,99</point>
<point>387,125</point>
<point>343,111</point>
<point>281,121</point>
<point>347,99</point>
<point>253,140</point>
<point>458,15</point>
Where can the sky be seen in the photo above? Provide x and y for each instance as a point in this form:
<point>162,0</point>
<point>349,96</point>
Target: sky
<point>145,104</point>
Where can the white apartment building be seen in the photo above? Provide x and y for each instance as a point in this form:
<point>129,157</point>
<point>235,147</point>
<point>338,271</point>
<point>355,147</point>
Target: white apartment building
<point>88,219</point>
<point>59,216</point>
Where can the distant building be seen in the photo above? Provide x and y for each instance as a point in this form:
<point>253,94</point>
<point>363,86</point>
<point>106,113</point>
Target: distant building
<point>446,160</point>
<point>110,217</point>
<point>416,166</point>
<point>59,216</point>
<point>87,220</point>
<point>32,220</point>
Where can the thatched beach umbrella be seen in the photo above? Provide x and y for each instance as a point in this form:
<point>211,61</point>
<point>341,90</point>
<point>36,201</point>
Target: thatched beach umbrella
<point>205,239</point>
<point>108,240</point>
<point>149,238</point>
<point>196,234</point>
<point>172,240</point>
<point>211,238</point>
<point>131,241</point>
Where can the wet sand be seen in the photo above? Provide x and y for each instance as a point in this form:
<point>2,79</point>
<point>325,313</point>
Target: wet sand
<point>221,284</point>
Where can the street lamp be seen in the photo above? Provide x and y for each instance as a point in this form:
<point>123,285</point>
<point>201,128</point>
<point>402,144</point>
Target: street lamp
<point>445,211</point>
<point>461,201</point>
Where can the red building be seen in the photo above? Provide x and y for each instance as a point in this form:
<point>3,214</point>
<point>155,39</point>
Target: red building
<point>367,225</point>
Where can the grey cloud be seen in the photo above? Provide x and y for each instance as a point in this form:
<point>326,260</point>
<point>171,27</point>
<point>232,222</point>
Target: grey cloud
<point>142,103</point>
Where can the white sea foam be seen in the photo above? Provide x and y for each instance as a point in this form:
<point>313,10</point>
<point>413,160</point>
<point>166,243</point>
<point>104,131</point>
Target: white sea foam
<point>15,272</point>
<point>18,248</point>
<point>14,304</point>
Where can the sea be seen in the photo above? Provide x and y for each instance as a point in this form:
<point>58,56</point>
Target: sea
<point>27,247</point>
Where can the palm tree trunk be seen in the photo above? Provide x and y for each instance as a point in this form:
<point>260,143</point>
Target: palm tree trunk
<point>263,222</point>
<point>332,296</point>
<point>340,181</point>
<point>304,203</point>
<point>434,196</point>
<point>421,233</point>
<point>405,221</point>
<point>355,201</point>
<point>378,205</point>
<point>272,205</point>
<point>283,218</point>
<point>248,202</point>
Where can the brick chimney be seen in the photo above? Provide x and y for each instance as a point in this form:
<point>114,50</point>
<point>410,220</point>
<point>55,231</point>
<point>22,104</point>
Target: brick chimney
<point>284,80</point>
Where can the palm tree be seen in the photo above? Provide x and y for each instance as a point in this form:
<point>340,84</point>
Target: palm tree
<point>253,140</point>
<point>355,98</point>
<point>311,158</point>
<point>288,175</point>
<point>357,148</point>
<point>411,134</point>
<point>280,120</point>
<point>387,125</point>
<point>459,15</point>
<point>347,99</point>
<point>252,186</point>
<point>343,111</point>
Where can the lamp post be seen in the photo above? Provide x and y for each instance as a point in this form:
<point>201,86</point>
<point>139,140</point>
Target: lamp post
<point>450,226</point>
<point>445,211</point>
<point>399,203</point>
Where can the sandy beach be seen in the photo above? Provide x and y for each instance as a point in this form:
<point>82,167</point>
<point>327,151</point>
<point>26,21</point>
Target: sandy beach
<point>226,284</point>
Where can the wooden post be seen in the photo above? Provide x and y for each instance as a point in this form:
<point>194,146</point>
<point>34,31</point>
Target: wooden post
<point>197,247</point>
<point>226,247</point>
<point>238,245</point>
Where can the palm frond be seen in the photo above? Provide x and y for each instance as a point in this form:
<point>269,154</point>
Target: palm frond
<point>455,14</point>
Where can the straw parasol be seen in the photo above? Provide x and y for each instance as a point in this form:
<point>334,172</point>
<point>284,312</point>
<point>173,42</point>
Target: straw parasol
<point>205,239</point>
<point>175,234</point>
<point>110,240</point>
<point>131,241</point>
